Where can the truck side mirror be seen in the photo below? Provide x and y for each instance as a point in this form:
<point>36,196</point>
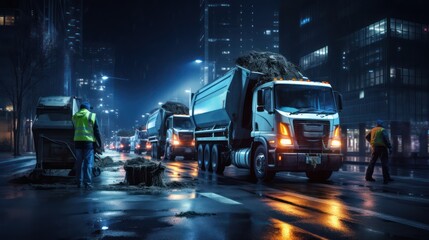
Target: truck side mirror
<point>260,101</point>
<point>339,99</point>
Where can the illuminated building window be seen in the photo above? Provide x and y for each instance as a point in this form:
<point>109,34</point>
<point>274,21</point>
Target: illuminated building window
<point>408,30</point>
<point>315,58</point>
<point>304,21</point>
<point>7,20</point>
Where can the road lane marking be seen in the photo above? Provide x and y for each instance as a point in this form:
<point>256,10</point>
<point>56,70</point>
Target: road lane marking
<point>219,198</point>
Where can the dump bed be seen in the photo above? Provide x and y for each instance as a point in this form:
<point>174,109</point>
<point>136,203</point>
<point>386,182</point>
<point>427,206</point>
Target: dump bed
<point>156,121</point>
<point>226,100</point>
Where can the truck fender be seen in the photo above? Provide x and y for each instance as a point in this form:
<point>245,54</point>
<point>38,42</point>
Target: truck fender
<point>263,141</point>
<point>256,142</point>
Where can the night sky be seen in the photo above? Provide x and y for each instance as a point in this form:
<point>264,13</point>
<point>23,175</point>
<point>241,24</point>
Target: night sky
<point>155,43</point>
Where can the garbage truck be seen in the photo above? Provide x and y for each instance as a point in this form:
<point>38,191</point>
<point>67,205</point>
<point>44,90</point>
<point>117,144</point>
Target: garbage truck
<point>267,125</point>
<point>171,132</point>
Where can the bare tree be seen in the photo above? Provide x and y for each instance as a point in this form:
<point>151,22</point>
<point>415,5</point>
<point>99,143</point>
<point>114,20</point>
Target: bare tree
<point>29,55</point>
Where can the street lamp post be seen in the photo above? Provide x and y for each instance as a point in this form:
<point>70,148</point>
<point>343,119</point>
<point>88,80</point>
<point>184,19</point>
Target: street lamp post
<point>189,91</point>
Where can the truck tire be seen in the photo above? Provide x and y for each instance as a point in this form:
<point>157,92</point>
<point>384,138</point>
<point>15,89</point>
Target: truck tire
<point>168,153</point>
<point>318,176</point>
<point>152,152</point>
<point>260,165</point>
<point>200,156</point>
<point>217,164</point>
<point>155,151</point>
<point>207,160</point>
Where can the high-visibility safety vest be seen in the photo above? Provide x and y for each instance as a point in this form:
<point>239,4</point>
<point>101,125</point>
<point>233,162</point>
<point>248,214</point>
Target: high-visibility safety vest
<point>83,122</point>
<point>377,137</point>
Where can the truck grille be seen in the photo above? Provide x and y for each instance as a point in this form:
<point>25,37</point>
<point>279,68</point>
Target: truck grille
<point>311,134</point>
<point>186,136</point>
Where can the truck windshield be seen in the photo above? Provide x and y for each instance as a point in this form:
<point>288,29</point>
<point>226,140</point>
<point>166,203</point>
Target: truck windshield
<point>183,123</point>
<point>305,99</point>
<point>143,135</point>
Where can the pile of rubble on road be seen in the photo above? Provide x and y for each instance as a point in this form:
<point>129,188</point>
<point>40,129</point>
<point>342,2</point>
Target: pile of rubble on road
<point>140,170</point>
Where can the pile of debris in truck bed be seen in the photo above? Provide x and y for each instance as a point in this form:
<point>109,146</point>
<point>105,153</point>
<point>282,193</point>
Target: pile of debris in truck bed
<point>273,65</point>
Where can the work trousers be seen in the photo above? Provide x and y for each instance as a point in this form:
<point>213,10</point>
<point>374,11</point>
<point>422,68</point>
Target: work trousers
<point>376,153</point>
<point>84,163</point>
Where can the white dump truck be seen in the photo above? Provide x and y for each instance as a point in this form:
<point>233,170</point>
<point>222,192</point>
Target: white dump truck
<point>171,132</point>
<point>267,126</point>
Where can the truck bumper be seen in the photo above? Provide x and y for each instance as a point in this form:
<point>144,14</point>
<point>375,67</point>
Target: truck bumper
<point>301,162</point>
<point>183,151</point>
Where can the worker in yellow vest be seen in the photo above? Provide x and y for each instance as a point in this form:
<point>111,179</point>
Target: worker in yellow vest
<point>86,134</point>
<point>380,148</point>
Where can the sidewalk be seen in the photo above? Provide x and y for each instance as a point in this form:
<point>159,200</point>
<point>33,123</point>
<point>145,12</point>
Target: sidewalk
<point>9,156</point>
<point>395,162</point>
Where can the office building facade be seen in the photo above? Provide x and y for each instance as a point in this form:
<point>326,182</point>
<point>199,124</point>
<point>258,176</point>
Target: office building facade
<point>93,84</point>
<point>376,54</point>
<point>232,28</point>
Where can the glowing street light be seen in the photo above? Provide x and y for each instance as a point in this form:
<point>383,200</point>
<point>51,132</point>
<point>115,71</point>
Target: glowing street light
<point>104,77</point>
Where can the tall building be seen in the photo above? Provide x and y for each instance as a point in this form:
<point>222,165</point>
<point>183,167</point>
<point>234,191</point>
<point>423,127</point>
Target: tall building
<point>232,28</point>
<point>376,54</point>
<point>93,84</point>
<point>63,27</point>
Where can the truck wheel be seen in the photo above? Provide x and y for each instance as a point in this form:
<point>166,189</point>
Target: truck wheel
<point>217,164</point>
<point>207,160</point>
<point>318,176</point>
<point>152,153</point>
<point>168,155</point>
<point>200,156</point>
<point>155,151</point>
<point>260,165</point>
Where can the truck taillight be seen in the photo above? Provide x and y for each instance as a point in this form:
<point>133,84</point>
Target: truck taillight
<point>175,140</point>
<point>193,143</point>
<point>285,139</point>
<point>336,139</point>
<point>138,146</point>
<point>148,145</point>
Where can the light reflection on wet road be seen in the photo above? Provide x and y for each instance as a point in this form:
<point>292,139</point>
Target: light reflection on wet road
<point>345,207</point>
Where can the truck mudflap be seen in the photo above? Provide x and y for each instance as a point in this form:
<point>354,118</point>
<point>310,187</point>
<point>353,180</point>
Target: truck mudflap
<point>299,162</point>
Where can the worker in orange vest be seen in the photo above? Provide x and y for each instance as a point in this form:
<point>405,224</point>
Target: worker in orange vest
<point>380,148</point>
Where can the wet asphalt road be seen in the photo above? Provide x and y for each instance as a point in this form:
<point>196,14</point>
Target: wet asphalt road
<point>202,205</point>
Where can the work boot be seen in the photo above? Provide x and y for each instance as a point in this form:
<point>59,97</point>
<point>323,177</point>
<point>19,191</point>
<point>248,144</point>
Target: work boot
<point>386,181</point>
<point>370,179</point>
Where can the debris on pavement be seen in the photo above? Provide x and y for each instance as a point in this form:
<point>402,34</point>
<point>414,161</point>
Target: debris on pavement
<point>142,171</point>
<point>190,214</point>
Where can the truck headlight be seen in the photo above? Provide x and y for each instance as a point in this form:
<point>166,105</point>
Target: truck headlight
<point>336,140</point>
<point>286,138</point>
<point>175,140</point>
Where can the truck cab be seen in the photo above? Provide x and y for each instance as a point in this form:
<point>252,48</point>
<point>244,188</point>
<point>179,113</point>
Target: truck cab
<point>179,137</point>
<point>299,123</point>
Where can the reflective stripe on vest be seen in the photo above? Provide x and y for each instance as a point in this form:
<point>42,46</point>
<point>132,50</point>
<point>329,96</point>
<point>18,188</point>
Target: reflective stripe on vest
<point>84,126</point>
<point>377,137</point>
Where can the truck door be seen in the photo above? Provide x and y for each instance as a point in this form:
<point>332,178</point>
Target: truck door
<point>264,111</point>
